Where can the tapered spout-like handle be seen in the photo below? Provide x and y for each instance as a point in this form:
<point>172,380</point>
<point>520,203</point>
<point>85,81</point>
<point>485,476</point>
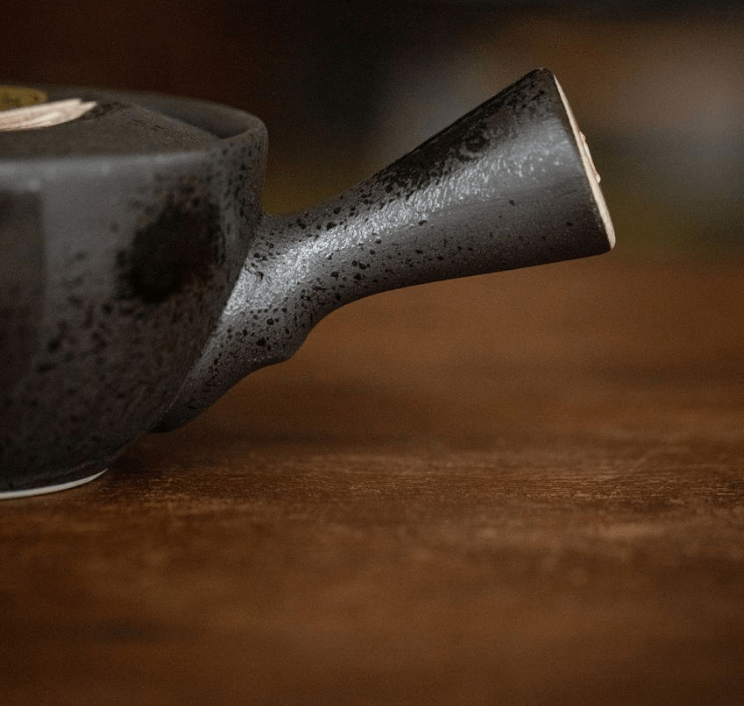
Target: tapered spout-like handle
<point>509,185</point>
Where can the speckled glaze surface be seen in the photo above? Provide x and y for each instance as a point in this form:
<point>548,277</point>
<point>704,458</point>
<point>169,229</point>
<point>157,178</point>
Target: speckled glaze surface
<point>140,278</point>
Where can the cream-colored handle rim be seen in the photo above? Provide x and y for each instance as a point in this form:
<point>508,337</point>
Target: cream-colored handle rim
<point>591,171</point>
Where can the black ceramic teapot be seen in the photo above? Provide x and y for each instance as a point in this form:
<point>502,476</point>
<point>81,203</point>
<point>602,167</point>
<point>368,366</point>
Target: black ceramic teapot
<point>140,279</point>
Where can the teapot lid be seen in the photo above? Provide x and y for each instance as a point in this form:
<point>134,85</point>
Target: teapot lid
<point>74,122</point>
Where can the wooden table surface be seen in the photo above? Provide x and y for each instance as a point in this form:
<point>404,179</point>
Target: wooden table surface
<point>525,488</point>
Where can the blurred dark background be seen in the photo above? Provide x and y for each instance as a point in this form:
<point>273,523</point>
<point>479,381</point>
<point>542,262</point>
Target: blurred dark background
<point>345,87</point>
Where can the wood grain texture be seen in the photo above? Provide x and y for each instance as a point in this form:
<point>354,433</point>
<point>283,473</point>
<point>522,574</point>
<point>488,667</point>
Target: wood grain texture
<point>525,488</point>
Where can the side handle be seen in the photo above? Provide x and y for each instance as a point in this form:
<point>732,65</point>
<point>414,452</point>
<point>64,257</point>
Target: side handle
<point>509,185</point>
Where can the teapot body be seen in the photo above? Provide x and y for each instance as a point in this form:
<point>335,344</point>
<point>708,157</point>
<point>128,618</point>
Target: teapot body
<point>115,269</point>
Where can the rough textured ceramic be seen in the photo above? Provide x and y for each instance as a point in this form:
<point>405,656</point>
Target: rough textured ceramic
<point>140,279</point>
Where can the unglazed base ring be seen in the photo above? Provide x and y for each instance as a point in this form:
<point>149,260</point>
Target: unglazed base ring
<point>45,489</point>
